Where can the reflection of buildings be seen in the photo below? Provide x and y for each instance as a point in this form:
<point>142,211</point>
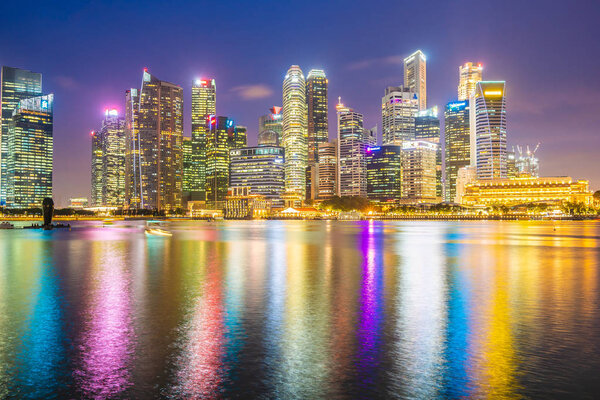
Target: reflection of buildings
<point>527,190</point>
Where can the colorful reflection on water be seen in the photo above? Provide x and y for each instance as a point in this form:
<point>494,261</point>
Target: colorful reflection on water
<point>299,309</point>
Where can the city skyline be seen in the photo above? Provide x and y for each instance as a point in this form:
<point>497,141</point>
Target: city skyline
<point>359,70</point>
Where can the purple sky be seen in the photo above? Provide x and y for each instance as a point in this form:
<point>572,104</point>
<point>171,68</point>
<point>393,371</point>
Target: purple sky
<point>90,54</point>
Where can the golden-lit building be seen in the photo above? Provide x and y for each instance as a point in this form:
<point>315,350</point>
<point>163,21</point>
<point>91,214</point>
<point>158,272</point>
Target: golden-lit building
<point>524,190</point>
<point>469,75</point>
<point>242,204</point>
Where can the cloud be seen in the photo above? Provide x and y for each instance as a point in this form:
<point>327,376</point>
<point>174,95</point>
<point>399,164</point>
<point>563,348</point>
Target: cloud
<point>252,92</point>
<point>66,82</point>
<point>364,64</point>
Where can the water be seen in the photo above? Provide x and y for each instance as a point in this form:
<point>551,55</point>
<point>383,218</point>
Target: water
<point>297,309</point>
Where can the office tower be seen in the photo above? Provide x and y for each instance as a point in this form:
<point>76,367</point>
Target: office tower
<point>30,152</point>
<point>261,169</point>
<point>269,128</point>
<point>488,130</point>
<point>237,137</point>
<point>294,132</point>
<point>316,98</point>
<point>418,171</point>
<point>457,144</point>
<point>352,146</point>
<point>204,100</point>
<point>527,163</point>
<point>427,127</point>
<point>465,176</point>
<point>112,134</point>
<point>96,169</point>
<point>415,76</point>
<point>16,84</point>
<point>469,75</point>
<point>188,168</point>
<point>326,171</point>
<point>154,124</point>
<point>384,173</point>
<point>398,108</point>
<point>219,141</point>
<point>511,164</point>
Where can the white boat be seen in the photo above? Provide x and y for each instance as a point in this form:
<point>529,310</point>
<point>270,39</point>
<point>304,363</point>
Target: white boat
<point>154,228</point>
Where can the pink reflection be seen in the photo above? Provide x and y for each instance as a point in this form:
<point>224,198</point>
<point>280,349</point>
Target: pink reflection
<point>106,344</point>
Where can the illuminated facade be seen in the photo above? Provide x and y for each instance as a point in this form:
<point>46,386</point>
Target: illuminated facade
<point>295,132</point>
<point>154,134</point>
<point>464,177</point>
<point>241,203</point>
<point>316,98</point>
<point>415,76</point>
<point>269,128</point>
<point>204,104</point>
<point>97,161</point>
<point>457,149</point>
<point>511,164</point>
<point>398,108</point>
<point>419,171</point>
<point>525,190</point>
<point>469,75</point>
<point>30,152</point>
<point>384,173</point>
<point>16,84</point>
<point>261,169</point>
<point>108,162</point>
<point>188,167</point>
<point>326,171</point>
<point>427,127</point>
<point>488,130</point>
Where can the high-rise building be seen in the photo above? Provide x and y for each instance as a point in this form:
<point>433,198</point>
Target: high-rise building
<point>294,132</point>
<point>465,176</point>
<point>527,163</point>
<point>220,140</point>
<point>112,133</point>
<point>30,152</point>
<point>154,124</point>
<point>384,173</point>
<point>16,84</point>
<point>316,98</point>
<point>269,128</point>
<point>259,168</point>
<point>427,127</point>
<point>352,146</point>
<point>418,171</point>
<point>488,130</point>
<point>415,76</point>
<point>326,171</point>
<point>238,137</point>
<point>188,167</point>
<point>97,161</point>
<point>204,100</point>
<point>398,108</point>
<point>457,144</point>
<point>469,75</point>
<point>511,164</point>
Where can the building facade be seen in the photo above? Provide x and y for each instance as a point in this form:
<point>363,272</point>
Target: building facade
<point>204,104</point>
<point>469,75</point>
<point>419,171</point>
<point>457,137</point>
<point>295,132</point>
<point>326,171</point>
<point>270,127</point>
<point>352,146</point>
<point>15,85</point>
<point>316,98</point>
<point>112,133</point>
<point>384,173</point>
<point>415,76</point>
<point>96,170</point>
<point>30,147</point>
<point>427,127</point>
<point>398,108</point>
<point>218,145</point>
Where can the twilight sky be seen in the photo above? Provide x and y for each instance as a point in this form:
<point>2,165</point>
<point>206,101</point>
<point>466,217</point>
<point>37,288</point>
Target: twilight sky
<point>90,52</point>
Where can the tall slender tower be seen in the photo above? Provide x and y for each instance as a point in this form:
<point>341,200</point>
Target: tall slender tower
<point>316,98</point>
<point>469,75</point>
<point>157,137</point>
<point>294,131</point>
<point>488,130</point>
<point>398,108</point>
<point>415,76</point>
<point>427,128</point>
<point>458,144</point>
<point>204,100</point>
<point>96,183</point>
<point>112,135</point>
<point>352,147</point>
<point>16,84</point>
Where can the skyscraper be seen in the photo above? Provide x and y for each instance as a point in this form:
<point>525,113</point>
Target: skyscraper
<point>30,152</point>
<point>96,182</point>
<point>204,100</point>
<point>352,146</point>
<point>469,75</point>
<point>398,108</point>
<point>326,171</point>
<point>418,171</point>
<point>384,173</point>
<point>316,97</point>
<point>188,167</point>
<point>237,137</point>
<point>269,128</point>
<point>222,136</point>
<point>427,127</point>
<point>16,84</point>
<point>488,130</point>
<point>155,144</point>
<point>294,131</point>
<point>112,133</point>
<point>457,144</point>
<point>415,76</point>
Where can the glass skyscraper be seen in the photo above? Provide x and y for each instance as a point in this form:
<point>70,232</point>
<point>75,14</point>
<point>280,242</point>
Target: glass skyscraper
<point>16,84</point>
<point>316,98</point>
<point>457,144</point>
<point>269,128</point>
<point>415,76</point>
<point>384,173</point>
<point>204,100</point>
<point>427,127</point>
<point>398,108</point>
<point>418,171</point>
<point>469,75</point>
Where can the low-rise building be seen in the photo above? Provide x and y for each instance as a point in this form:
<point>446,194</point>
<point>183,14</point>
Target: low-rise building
<point>241,203</point>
